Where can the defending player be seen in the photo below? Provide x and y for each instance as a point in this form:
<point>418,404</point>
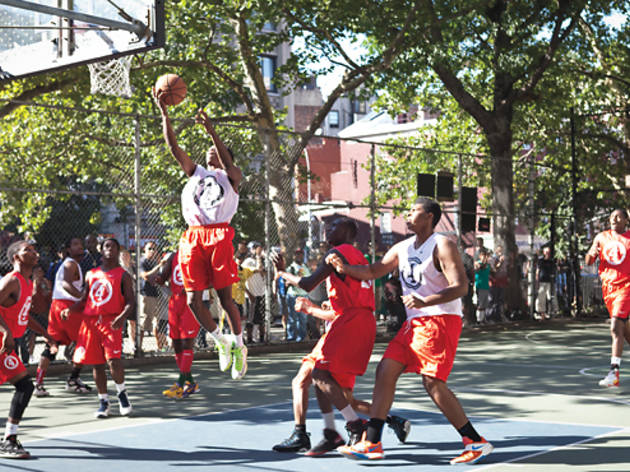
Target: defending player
<point>107,302</point>
<point>433,280</point>
<point>299,440</point>
<point>347,346</point>
<point>182,329</point>
<point>613,247</point>
<point>209,201</point>
<point>16,290</point>
<point>67,290</point>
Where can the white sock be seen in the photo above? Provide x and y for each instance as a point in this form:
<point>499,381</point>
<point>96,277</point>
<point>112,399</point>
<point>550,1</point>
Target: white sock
<point>329,420</point>
<point>349,414</point>
<point>120,387</point>
<point>10,430</point>
<point>239,339</point>
<point>103,396</point>
<point>217,335</point>
<point>615,360</point>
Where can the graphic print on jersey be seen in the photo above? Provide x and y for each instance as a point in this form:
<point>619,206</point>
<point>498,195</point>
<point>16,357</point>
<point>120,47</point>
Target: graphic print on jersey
<point>411,274</point>
<point>101,292</point>
<point>11,362</point>
<point>26,308</point>
<point>208,192</point>
<point>177,276</point>
<point>614,252</point>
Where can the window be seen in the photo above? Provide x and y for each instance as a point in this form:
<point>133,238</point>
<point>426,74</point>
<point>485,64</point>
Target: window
<point>333,119</point>
<point>268,67</point>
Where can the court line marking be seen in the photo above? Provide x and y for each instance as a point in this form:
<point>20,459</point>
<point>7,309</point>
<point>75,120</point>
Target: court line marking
<point>534,393</point>
<point>554,449</point>
<point>585,369</point>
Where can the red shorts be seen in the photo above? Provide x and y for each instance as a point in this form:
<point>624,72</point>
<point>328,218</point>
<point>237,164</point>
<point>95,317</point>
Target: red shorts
<point>426,345</point>
<point>63,331</point>
<point>10,366</point>
<point>182,324</point>
<point>98,341</point>
<point>347,346</point>
<point>344,380</point>
<point>206,257</point>
<point>617,301</point>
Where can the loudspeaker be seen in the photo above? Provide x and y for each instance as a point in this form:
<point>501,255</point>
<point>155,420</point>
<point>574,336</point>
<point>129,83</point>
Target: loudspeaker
<point>445,187</point>
<point>468,223</point>
<point>483,224</point>
<point>469,200</point>
<point>426,185</point>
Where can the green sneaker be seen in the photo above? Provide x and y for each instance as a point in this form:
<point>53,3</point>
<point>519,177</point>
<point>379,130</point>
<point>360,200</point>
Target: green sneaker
<point>239,366</point>
<point>225,353</point>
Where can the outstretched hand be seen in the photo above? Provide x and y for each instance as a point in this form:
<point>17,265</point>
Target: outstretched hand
<point>158,98</point>
<point>202,119</point>
<point>337,263</point>
<point>278,261</point>
<point>302,304</point>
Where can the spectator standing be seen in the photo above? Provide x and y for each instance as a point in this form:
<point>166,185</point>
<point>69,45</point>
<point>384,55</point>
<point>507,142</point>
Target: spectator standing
<point>318,296</point>
<point>126,262</point>
<point>92,257</point>
<point>149,270</point>
<point>255,288</point>
<point>545,276</point>
<point>498,283</point>
<point>482,284</point>
<point>296,321</point>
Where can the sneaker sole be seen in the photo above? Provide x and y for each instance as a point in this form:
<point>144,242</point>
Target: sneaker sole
<point>357,456</point>
<point>26,455</point>
<point>101,415</point>
<point>484,453</point>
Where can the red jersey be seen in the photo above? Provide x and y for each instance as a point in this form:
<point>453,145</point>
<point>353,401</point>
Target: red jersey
<point>105,295</point>
<point>16,315</point>
<point>614,260</point>
<point>346,292</point>
<point>177,281</point>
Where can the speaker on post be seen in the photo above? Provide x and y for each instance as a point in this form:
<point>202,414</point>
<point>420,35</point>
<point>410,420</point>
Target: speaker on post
<point>426,185</point>
<point>445,187</point>
<point>469,208</point>
<point>483,224</point>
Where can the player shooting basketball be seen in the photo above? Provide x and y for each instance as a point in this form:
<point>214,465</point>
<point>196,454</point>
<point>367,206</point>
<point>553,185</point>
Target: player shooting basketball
<point>209,201</point>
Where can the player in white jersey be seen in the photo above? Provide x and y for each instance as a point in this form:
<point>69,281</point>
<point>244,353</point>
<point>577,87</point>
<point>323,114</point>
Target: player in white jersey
<point>433,280</point>
<point>209,201</point>
<point>67,290</point>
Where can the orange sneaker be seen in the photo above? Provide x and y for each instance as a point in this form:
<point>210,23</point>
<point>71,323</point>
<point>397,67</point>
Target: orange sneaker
<point>363,450</point>
<point>473,451</point>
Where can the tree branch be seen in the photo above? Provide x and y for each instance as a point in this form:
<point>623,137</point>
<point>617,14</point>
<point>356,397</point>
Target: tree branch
<point>27,95</point>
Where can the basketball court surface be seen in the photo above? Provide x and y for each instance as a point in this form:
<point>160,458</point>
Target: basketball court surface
<point>533,393</point>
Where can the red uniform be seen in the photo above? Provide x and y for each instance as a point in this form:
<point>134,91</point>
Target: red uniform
<point>98,341</point>
<point>16,318</point>
<point>181,321</point>
<point>347,346</point>
<point>614,271</point>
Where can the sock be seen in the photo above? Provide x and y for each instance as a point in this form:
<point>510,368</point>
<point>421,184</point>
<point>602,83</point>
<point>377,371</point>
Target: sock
<point>239,339</point>
<point>186,361</point>
<point>181,379</point>
<point>374,430</point>
<point>349,414</point>
<point>329,420</point>
<point>39,377</point>
<point>10,430</point>
<point>75,372</point>
<point>178,360</point>
<point>615,362</point>
<point>103,396</point>
<point>120,387</point>
<point>217,336</point>
<point>189,378</point>
<point>300,428</point>
<point>468,431</point>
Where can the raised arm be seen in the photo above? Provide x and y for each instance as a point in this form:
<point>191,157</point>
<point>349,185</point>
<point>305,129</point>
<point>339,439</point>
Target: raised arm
<point>323,270</point>
<point>225,158</point>
<point>304,305</point>
<point>593,252</point>
<point>184,160</point>
<point>366,272</point>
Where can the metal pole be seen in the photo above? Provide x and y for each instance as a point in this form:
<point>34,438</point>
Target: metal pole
<point>309,243</point>
<point>137,230</point>
<point>460,186</point>
<point>577,292</point>
<point>268,289</point>
<point>532,225</point>
<point>373,201</point>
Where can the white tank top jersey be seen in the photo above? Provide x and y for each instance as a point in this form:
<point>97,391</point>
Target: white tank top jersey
<point>59,293</point>
<point>208,198</point>
<point>418,275</point>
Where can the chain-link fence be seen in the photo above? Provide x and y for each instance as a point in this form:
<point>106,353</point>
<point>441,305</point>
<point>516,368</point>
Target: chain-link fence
<point>111,175</point>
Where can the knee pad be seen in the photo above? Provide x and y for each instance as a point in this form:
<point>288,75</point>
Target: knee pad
<point>47,354</point>
<point>23,391</point>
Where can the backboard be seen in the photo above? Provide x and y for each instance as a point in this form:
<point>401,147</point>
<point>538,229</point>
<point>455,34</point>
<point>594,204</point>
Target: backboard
<point>44,36</point>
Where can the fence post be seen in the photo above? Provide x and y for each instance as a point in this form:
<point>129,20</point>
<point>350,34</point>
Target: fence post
<point>137,223</point>
<point>268,269</point>
<point>532,226</point>
<point>460,186</point>
<point>575,263</point>
<point>373,202</point>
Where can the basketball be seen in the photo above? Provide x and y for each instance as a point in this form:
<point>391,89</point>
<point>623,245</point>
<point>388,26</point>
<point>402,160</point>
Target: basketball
<point>173,88</point>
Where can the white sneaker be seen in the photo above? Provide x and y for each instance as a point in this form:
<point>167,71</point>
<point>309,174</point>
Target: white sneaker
<point>40,391</point>
<point>225,353</point>
<point>611,380</point>
<point>124,404</point>
<point>239,364</point>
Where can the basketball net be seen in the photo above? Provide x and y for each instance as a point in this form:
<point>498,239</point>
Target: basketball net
<point>111,77</point>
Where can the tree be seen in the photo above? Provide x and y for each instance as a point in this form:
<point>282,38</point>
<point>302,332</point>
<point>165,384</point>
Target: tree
<point>492,57</point>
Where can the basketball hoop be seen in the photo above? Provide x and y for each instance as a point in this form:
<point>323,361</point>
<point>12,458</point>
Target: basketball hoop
<point>111,77</point>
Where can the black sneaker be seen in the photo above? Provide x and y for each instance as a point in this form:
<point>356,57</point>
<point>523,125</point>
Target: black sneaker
<point>298,442</point>
<point>355,431</point>
<point>400,426</point>
<point>124,404</point>
<point>331,442</point>
<point>11,448</point>
<point>103,409</point>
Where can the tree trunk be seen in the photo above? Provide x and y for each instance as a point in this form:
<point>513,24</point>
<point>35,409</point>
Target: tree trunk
<point>500,142</point>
